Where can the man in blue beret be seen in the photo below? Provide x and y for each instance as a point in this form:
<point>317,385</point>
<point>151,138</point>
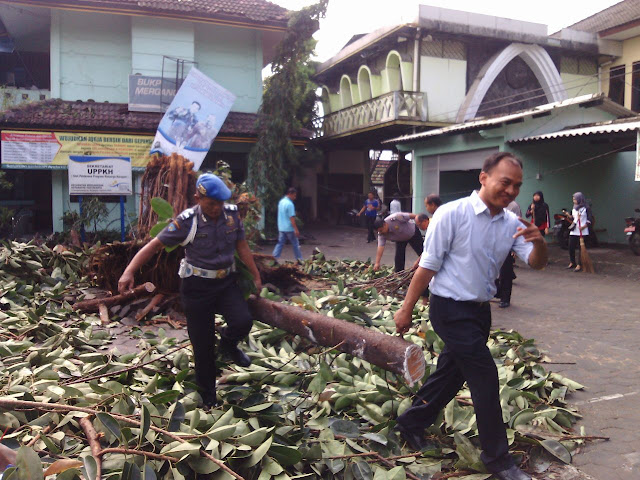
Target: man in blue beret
<point>211,233</point>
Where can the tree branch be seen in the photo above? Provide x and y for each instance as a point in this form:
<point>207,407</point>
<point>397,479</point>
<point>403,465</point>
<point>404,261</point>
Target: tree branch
<point>94,443</point>
<point>11,403</point>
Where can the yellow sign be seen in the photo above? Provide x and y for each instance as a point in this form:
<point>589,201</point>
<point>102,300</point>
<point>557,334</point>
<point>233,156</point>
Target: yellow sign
<point>39,150</point>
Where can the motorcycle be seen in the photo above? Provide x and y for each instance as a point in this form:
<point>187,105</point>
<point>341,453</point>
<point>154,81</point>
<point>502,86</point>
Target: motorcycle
<point>561,232</point>
<point>632,230</point>
<point>561,228</point>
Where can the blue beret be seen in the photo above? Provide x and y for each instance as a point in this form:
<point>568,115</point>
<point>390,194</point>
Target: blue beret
<point>210,185</point>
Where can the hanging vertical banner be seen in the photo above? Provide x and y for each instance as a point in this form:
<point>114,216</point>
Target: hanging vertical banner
<point>193,119</point>
<point>638,157</point>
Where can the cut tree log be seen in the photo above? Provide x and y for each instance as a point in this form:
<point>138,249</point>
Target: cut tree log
<point>93,305</point>
<point>104,314</point>
<point>390,353</point>
<point>155,301</point>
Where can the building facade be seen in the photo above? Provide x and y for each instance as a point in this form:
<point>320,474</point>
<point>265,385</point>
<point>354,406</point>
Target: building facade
<point>442,68</point>
<point>73,58</point>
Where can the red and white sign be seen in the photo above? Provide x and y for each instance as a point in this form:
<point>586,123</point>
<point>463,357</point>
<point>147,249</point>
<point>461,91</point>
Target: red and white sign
<point>29,148</point>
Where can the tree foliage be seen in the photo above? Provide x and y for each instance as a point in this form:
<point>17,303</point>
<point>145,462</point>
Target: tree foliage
<point>288,105</point>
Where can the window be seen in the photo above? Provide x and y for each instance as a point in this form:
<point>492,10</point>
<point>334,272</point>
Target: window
<point>635,87</point>
<point>617,81</point>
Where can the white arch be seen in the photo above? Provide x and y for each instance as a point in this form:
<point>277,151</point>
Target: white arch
<point>364,83</point>
<point>534,56</point>
<point>394,74</point>
<point>346,100</point>
<point>325,98</point>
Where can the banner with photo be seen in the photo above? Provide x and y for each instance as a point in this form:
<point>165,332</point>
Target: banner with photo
<point>193,119</point>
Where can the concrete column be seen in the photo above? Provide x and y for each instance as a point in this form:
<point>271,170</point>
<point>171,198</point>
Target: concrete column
<point>55,46</point>
<point>416,60</point>
<point>366,177</point>
<point>57,199</point>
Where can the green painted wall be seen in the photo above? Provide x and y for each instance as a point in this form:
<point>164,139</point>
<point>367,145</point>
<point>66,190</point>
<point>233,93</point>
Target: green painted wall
<point>233,58</point>
<point>92,57</point>
<point>151,38</point>
<point>560,165</point>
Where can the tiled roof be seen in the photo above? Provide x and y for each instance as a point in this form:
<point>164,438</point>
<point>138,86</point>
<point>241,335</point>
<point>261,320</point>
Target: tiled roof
<point>261,12</point>
<point>618,14</point>
<point>58,114</point>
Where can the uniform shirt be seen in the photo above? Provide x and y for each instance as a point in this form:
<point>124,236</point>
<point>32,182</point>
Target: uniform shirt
<point>401,229</point>
<point>466,246</point>
<point>371,208</point>
<point>584,220</point>
<point>286,210</point>
<point>214,245</point>
<point>396,207</point>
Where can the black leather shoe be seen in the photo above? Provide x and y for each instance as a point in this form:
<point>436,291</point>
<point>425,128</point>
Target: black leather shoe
<point>504,304</point>
<point>415,439</point>
<point>512,473</point>
<point>236,355</point>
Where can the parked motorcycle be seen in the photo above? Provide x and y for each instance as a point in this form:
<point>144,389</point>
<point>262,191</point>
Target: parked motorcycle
<point>562,222</point>
<point>632,231</point>
<point>561,228</point>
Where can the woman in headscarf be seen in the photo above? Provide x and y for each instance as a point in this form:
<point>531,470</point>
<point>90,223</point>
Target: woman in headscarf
<point>539,211</point>
<point>579,227</point>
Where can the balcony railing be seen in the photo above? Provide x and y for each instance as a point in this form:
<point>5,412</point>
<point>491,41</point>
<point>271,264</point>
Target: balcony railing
<point>399,105</point>
<point>12,96</point>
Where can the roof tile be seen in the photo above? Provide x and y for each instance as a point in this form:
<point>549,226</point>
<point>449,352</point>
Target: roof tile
<point>96,116</point>
<point>259,11</point>
<point>618,14</point>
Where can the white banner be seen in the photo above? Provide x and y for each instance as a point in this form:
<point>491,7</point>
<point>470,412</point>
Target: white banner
<point>89,175</point>
<point>193,119</point>
<point>638,157</point>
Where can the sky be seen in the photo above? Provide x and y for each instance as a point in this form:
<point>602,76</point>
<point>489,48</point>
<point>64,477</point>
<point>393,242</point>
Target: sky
<point>346,18</point>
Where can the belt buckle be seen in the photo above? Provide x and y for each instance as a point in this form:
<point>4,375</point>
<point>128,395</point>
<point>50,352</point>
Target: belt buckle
<point>220,274</point>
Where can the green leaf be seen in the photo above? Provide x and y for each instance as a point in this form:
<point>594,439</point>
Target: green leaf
<point>556,449</point>
<point>162,208</point>
<point>361,471</point>
<point>397,473</point>
<point>29,464</point>
<point>469,456</point>
<point>318,384</point>
<point>165,397</point>
<point>110,424</point>
<point>345,428</point>
<point>285,456</point>
<point>148,473</point>
<point>258,453</point>
<point>177,417</point>
<point>130,471</point>
<point>157,228</point>
<point>90,470</point>
<point>145,424</point>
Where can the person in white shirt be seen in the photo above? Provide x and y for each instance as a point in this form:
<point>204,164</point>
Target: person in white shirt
<point>579,228</point>
<point>466,244</point>
<point>395,206</point>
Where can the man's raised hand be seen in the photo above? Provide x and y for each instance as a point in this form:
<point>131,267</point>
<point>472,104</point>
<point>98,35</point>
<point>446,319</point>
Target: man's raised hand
<point>531,233</point>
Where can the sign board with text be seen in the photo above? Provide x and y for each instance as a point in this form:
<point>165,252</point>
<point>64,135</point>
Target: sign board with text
<point>89,175</point>
<point>147,94</point>
<point>52,150</point>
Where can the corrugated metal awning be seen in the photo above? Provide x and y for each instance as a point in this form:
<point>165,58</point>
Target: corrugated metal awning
<point>600,129</point>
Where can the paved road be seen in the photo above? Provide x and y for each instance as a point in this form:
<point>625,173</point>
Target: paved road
<point>592,320</point>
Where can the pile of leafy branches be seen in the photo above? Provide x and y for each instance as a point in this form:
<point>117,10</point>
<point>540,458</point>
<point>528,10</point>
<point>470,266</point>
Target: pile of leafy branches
<point>77,407</point>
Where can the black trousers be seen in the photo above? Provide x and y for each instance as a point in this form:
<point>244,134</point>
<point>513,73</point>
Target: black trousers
<point>574,243</point>
<point>464,328</point>
<point>370,234</point>
<point>505,281</point>
<point>201,299</point>
<point>416,243</point>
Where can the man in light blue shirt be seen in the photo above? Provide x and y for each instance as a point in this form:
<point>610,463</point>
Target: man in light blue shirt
<point>287,228</point>
<point>467,242</point>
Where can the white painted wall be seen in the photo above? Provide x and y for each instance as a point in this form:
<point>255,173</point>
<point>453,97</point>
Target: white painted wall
<point>444,82</point>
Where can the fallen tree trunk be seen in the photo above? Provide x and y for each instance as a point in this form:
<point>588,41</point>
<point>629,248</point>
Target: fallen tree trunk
<point>390,353</point>
<point>93,305</point>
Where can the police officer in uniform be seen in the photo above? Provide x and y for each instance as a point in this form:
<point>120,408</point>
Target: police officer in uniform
<point>211,233</point>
